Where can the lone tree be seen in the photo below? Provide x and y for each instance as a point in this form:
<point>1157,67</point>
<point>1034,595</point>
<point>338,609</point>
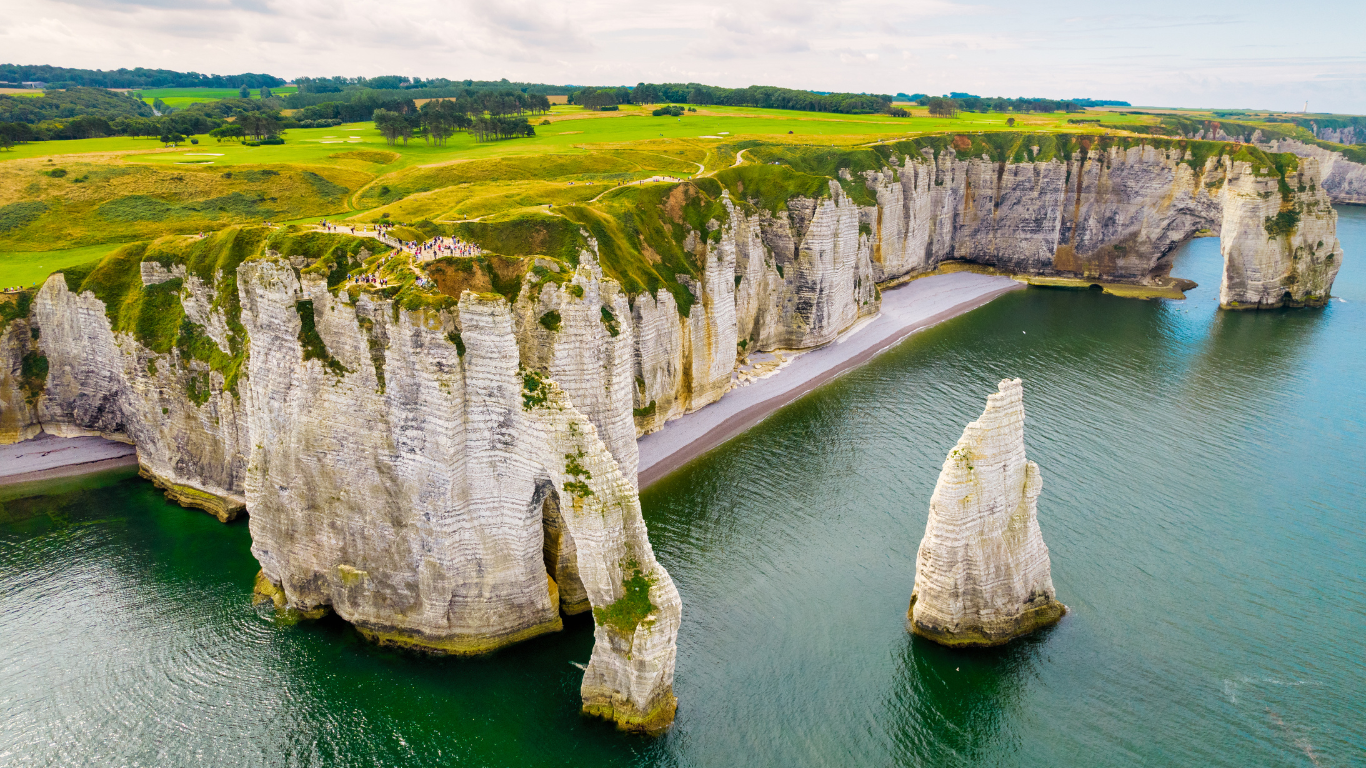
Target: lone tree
<point>6,141</point>
<point>171,139</point>
<point>244,92</point>
<point>265,92</point>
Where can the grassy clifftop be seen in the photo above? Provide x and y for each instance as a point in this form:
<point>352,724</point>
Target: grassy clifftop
<point>544,197</point>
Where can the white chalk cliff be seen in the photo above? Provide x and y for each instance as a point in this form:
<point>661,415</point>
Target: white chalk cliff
<point>982,575</point>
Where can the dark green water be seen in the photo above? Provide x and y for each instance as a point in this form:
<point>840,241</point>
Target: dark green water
<point>1203,500</point>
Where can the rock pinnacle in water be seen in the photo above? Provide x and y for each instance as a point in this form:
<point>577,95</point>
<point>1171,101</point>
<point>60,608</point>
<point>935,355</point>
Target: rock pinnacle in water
<point>982,576</point>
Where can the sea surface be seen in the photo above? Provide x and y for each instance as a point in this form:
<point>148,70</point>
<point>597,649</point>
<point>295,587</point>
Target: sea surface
<point>1204,503</point>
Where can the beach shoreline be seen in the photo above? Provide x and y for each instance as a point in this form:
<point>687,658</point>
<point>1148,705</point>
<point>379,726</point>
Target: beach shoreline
<point>46,457</point>
<point>906,310</point>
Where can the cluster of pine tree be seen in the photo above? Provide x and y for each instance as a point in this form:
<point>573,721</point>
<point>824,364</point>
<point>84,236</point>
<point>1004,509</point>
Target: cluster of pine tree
<point>437,120</point>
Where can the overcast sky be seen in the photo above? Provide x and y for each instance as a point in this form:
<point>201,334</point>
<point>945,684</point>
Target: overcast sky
<point>1205,53</point>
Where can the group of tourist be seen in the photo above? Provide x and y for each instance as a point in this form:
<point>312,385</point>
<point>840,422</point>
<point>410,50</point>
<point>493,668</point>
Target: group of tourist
<point>373,280</point>
<point>377,229</point>
<point>438,247</point>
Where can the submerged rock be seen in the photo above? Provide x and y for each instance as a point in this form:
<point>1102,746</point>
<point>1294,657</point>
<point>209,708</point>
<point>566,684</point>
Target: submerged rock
<point>982,576</point>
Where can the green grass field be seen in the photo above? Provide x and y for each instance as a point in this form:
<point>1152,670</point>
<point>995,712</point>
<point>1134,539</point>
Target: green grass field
<point>26,269</point>
<point>184,97</point>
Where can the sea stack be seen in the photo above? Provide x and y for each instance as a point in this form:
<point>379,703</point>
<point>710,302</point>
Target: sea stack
<point>982,576</point>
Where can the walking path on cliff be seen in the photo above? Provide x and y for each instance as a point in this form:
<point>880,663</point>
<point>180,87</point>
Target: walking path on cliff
<point>905,309</point>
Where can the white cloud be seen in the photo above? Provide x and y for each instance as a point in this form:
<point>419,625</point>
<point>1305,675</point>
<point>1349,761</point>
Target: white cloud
<point>1226,53</point>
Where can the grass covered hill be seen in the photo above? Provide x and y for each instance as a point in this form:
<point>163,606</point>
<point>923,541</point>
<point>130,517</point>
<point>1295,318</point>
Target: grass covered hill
<point>118,189</point>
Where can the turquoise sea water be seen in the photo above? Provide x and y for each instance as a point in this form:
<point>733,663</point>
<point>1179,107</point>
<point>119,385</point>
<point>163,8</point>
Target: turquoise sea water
<point>1203,500</point>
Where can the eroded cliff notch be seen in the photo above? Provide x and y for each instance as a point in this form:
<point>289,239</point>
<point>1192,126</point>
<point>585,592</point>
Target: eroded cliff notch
<point>982,575</point>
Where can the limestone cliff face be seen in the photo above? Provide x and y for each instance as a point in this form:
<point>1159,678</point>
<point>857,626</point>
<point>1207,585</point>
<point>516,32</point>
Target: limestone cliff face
<point>663,384</point>
<point>825,262</point>
<point>684,363</point>
<point>791,280</point>
<point>1278,239</point>
<point>436,508</point>
<point>636,607</point>
<point>1342,179</point>
<point>1114,214</point>
<point>809,271</point>
<point>982,574</point>
<point>189,430</point>
<point>1346,135</point>
<point>18,417</point>
<point>580,334</point>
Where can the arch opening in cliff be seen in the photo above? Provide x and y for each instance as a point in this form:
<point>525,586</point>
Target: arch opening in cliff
<point>559,552</point>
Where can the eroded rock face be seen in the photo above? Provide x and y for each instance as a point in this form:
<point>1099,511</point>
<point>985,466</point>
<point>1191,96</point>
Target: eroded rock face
<point>682,363</point>
<point>450,506</point>
<point>18,417</point>
<point>1278,239</point>
<point>589,351</point>
<point>1345,135</point>
<point>1342,179</point>
<point>1112,214</point>
<point>188,428</point>
<point>982,575</point>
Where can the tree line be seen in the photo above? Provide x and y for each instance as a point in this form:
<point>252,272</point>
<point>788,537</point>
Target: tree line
<point>73,102</point>
<point>138,120</point>
<point>952,104</point>
<point>138,77</point>
<point>762,96</point>
<point>323,85</point>
<point>360,104</point>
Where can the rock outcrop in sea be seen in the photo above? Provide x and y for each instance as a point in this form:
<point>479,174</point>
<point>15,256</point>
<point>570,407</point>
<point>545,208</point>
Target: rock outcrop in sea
<point>1279,238</point>
<point>982,575</point>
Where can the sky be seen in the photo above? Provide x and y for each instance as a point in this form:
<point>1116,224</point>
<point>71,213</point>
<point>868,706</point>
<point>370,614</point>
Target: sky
<point>1212,53</point>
